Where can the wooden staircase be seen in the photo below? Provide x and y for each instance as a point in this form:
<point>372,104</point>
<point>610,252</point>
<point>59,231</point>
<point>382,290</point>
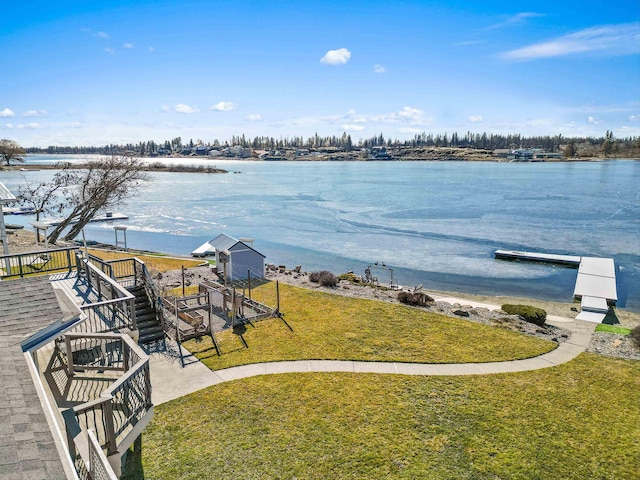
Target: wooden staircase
<point>149,326</point>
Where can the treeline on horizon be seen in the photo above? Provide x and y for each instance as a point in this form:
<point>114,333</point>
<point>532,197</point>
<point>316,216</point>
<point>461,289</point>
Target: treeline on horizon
<point>570,146</point>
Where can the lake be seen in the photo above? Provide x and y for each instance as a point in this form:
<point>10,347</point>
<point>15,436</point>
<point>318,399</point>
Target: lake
<point>435,223</point>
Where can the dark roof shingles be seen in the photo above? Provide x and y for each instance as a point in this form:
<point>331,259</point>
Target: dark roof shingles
<point>27,448</point>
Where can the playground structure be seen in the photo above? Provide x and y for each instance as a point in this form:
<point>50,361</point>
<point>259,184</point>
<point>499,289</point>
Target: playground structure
<point>214,308</point>
<point>370,279</point>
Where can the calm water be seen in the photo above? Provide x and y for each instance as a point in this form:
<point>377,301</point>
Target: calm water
<point>436,223</point>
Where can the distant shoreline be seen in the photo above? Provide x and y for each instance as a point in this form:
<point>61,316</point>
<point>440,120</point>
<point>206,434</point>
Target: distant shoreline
<point>151,167</point>
<point>156,164</point>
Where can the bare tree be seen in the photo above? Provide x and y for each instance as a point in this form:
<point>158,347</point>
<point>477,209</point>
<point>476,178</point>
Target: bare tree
<point>11,151</point>
<point>102,185</point>
<point>45,198</point>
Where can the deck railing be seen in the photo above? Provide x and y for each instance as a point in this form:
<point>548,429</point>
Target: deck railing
<point>127,271</point>
<point>99,467</point>
<point>131,272</point>
<point>35,263</point>
<point>126,401</point>
<point>89,459</point>
<point>115,310</point>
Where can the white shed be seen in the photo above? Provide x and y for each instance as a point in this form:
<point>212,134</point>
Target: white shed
<point>242,258</point>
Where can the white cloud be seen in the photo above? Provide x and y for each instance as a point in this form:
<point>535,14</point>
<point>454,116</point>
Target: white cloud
<point>410,130</point>
<point>182,108</point>
<point>34,113</point>
<point>517,19</point>
<point>356,128</point>
<point>475,118</point>
<point>223,106</point>
<point>165,108</point>
<point>634,118</point>
<point>414,115</point>
<point>336,57</point>
<point>104,35</point>
<point>30,126</point>
<point>127,45</point>
<point>593,120</point>
<point>377,68</point>
<point>468,43</point>
<point>410,115</point>
<point>7,113</point>
<point>8,125</point>
<point>255,117</point>
<point>110,51</point>
<point>152,49</point>
<point>610,40</point>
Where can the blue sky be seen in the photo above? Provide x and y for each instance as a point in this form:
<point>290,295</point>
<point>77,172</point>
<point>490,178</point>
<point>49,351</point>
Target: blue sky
<point>99,72</point>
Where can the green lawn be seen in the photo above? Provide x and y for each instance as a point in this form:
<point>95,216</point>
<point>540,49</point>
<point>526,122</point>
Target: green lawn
<point>575,421</point>
<point>154,262</point>
<point>613,329</point>
<point>335,327</point>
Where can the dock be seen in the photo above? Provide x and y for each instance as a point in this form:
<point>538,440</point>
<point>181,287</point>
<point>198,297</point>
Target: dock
<point>100,218</point>
<point>595,284</point>
<point>570,260</point>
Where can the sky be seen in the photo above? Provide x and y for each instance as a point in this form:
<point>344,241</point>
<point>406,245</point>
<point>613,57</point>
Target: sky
<point>79,73</point>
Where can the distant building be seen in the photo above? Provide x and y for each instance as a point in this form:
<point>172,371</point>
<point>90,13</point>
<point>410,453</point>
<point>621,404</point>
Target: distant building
<point>532,155</point>
<point>237,151</point>
<point>379,153</point>
<point>520,155</point>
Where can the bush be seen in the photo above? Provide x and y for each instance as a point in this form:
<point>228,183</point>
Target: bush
<point>324,278</point>
<point>635,337</point>
<point>350,277</point>
<point>416,299</point>
<point>526,312</point>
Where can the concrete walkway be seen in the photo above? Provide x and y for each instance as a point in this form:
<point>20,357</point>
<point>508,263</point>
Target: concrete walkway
<point>170,380</point>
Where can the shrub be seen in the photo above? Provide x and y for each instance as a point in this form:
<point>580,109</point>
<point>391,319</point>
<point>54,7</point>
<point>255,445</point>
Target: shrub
<point>350,277</point>
<point>526,312</point>
<point>324,278</point>
<point>635,337</point>
<point>415,299</point>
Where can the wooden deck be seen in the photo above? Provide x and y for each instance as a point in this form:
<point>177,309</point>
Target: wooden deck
<point>71,391</point>
<point>74,287</point>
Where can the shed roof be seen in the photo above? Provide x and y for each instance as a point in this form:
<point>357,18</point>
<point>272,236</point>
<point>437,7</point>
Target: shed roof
<point>29,449</point>
<point>225,242</point>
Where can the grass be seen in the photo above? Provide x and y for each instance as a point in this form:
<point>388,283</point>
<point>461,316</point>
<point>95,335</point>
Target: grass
<point>613,329</point>
<point>333,327</point>
<point>153,261</point>
<point>578,420</point>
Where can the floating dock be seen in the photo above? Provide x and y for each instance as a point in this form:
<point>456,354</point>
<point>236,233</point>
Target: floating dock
<point>19,211</point>
<point>595,285</point>
<point>538,257</point>
<point>101,218</point>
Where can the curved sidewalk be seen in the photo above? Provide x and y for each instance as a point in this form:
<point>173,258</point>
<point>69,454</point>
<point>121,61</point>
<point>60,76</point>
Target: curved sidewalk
<point>170,381</point>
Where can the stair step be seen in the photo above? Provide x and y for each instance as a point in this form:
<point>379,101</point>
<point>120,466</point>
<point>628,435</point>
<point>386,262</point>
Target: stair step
<point>145,316</point>
<point>148,323</point>
<point>151,334</point>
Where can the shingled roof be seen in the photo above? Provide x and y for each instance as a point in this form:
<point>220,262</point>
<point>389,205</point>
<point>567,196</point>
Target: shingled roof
<point>27,446</point>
